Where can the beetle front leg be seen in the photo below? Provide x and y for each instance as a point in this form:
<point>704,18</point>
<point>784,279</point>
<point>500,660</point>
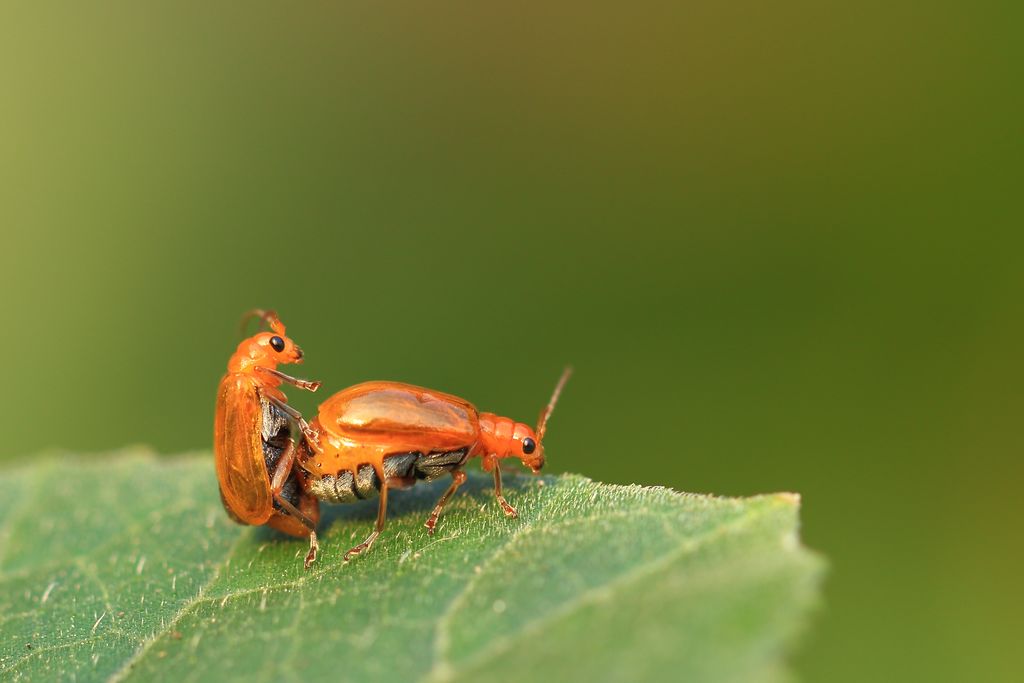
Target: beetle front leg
<point>306,384</point>
<point>509,510</point>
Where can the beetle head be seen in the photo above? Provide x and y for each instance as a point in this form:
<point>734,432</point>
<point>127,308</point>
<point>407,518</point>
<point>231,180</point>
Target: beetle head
<point>267,349</point>
<point>527,447</point>
<point>529,444</point>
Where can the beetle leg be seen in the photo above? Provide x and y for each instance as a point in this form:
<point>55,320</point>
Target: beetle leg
<point>458,479</point>
<point>281,472</point>
<point>294,511</point>
<point>294,414</point>
<point>294,381</point>
<point>290,509</point>
<point>382,510</point>
<point>509,510</point>
<point>312,438</point>
<point>283,468</point>
<point>314,547</point>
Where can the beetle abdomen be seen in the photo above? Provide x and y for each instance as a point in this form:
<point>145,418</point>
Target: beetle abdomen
<point>344,487</point>
<point>335,488</point>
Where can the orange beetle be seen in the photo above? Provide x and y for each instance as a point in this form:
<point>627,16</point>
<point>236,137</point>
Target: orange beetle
<point>377,436</point>
<point>252,436</point>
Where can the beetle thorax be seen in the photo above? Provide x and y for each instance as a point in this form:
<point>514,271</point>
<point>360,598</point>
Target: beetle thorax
<point>247,356</point>
<point>497,435</point>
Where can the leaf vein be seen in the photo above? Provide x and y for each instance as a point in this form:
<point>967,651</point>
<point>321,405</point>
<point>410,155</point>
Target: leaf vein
<point>592,595</point>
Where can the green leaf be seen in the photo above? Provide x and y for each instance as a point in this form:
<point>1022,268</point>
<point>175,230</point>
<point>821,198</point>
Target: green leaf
<point>126,568</point>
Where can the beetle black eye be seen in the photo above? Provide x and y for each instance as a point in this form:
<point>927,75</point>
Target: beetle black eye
<point>277,344</point>
<point>529,446</point>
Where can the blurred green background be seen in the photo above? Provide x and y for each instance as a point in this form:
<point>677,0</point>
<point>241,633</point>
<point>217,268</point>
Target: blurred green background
<point>781,243</point>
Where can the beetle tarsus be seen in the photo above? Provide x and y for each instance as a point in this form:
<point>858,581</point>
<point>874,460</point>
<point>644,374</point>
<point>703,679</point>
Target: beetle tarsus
<point>311,436</point>
<point>362,547</point>
<point>314,547</point>
<point>508,509</point>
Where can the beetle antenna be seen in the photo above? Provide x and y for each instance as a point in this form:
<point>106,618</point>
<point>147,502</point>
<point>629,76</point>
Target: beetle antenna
<point>542,423</point>
<point>269,317</point>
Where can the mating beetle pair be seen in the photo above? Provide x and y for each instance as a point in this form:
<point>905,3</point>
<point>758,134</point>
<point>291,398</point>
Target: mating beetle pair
<point>365,440</point>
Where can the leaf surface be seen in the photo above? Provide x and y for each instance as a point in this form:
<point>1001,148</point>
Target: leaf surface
<point>126,568</point>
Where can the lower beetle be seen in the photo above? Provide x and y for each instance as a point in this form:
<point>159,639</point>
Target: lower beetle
<point>377,436</point>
